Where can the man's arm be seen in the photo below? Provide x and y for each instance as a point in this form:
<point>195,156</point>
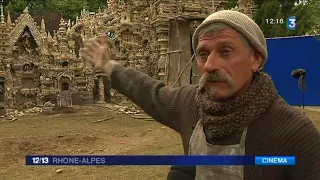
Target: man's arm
<point>182,173</point>
<point>159,101</point>
<point>306,148</point>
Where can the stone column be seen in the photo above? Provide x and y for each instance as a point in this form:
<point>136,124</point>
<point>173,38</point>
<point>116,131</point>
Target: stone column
<point>162,25</point>
<point>39,99</point>
<point>101,90</point>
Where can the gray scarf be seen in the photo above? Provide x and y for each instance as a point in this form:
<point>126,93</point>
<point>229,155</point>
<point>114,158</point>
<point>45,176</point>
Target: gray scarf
<point>223,118</point>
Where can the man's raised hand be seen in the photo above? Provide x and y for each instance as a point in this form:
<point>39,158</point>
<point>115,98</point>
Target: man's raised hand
<point>97,52</point>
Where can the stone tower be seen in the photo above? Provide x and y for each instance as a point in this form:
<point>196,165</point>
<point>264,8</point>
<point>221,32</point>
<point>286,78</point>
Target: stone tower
<point>62,36</point>
<point>4,35</point>
<point>112,6</point>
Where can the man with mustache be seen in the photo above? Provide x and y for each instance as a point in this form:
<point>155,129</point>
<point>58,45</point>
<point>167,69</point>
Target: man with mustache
<point>235,109</point>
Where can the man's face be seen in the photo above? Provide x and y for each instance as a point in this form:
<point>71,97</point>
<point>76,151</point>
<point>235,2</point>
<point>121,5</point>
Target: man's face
<point>226,64</point>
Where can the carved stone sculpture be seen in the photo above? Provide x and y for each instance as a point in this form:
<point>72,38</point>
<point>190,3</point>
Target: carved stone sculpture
<point>33,59</point>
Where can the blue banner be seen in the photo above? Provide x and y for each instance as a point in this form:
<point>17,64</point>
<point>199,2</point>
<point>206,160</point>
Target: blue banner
<point>275,160</point>
<point>159,160</point>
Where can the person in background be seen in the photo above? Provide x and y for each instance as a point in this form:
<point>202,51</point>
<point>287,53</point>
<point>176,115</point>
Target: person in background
<point>234,110</point>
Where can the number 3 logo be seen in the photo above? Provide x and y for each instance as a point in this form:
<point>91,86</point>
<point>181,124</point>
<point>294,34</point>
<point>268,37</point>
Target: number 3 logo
<point>291,23</point>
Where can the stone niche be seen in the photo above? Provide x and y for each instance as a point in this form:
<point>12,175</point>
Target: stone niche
<point>125,18</point>
<point>127,35</point>
<point>26,43</point>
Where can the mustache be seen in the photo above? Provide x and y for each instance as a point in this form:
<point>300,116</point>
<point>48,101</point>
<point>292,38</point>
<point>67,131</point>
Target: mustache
<point>214,76</point>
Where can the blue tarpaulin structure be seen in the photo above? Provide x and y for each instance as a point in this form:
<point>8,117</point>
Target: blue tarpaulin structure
<point>287,54</point>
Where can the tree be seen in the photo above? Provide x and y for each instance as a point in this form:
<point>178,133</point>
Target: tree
<point>287,6</point>
<point>231,4</point>
<point>94,5</point>
<point>307,15</point>
<point>52,10</point>
<point>278,29</point>
<point>314,7</point>
<point>5,2</point>
<point>70,9</point>
<point>266,17</point>
<point>17,5</point>
<point>303,20</point>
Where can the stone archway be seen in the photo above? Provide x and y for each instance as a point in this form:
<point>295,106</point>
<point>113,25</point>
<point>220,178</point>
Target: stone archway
<point>65,64</point>
<point>65,91</point>
<point>101,90</point>
<point>65,86</point>
<point>26,42</point>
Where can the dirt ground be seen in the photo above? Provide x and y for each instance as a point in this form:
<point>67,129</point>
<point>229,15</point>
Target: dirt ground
<point>76,133</point>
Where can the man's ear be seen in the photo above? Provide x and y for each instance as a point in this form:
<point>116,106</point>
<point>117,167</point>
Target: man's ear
<point>257,61</point>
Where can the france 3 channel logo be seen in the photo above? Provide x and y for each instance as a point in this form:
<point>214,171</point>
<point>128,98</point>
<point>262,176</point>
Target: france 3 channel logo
<point>291,23</point>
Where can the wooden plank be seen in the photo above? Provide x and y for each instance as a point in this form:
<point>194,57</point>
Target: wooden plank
<point>172,72</point>
<point>195,77</point>
<point>181,73</point>
<point>185,41</point>
<point>179,42</point>
<point>177,51</point>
